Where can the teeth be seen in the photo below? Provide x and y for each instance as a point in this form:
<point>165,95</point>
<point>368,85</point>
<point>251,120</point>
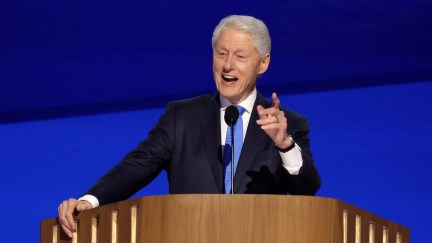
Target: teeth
<point>229,78</point>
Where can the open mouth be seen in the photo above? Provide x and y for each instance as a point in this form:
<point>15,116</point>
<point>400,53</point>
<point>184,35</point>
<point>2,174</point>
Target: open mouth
<point>229,78</point>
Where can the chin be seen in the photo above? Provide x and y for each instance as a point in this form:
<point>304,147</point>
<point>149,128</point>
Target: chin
<point>228,95</point>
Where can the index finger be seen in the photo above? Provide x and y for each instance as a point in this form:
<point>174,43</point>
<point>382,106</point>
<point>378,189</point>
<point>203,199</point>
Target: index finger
<point>72,203</point>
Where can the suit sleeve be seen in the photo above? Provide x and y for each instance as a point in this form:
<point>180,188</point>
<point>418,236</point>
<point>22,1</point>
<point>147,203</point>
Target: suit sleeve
<point>139,167</point>
<point>308,181</point>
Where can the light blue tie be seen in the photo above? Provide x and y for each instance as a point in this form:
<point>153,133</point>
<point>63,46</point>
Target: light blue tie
<point>238,144</point>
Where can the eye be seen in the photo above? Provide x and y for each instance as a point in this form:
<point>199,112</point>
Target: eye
<point>241,56</point>
<point>221,53</point>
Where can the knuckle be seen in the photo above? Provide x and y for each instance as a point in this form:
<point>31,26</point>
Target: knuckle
<point>62,220</point>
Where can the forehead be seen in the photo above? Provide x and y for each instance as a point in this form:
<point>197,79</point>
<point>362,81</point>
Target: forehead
<point>230,37</point>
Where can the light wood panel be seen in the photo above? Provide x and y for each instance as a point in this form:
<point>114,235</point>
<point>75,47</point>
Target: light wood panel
<point>228,218</point>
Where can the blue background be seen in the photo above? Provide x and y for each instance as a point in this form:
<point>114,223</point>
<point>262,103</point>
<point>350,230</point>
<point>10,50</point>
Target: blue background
<point>82,82</point>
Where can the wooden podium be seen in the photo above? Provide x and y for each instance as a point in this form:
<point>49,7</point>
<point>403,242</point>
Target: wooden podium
<point>228,218</point>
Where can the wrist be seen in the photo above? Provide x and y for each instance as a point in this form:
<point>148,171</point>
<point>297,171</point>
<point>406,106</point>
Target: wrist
<point>287,144</point>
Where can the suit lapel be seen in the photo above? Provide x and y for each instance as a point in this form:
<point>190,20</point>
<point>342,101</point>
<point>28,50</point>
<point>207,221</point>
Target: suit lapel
<point>209,120</point>
<point>254,137</point>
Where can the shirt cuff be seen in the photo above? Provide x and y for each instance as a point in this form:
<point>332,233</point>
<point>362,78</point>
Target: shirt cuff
<point>292,160</point>
<point>91,199</point>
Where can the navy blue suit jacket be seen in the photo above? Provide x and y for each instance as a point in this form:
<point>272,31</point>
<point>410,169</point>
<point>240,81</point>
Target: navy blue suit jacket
<point>186,142</point>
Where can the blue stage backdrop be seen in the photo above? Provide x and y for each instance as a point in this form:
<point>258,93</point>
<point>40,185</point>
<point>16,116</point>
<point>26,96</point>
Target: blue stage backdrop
<point>66,58</point>
<point>82,82</point>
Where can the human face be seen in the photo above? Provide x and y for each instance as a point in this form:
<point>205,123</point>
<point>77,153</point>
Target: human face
<point>237,64</point>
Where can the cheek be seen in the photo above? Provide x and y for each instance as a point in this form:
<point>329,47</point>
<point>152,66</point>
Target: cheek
<point>245,71</point>
<point>215,71</point>
<point>249,77</point>
<point>217,64</point>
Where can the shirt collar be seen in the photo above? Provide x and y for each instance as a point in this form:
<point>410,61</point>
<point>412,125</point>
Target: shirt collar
<point>248,103</point>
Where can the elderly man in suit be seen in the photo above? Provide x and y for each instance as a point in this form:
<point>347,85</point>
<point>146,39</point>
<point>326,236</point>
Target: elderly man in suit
<point>190,139</point>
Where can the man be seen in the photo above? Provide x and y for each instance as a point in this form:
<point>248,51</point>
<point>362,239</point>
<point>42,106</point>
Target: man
<point>189,138</point>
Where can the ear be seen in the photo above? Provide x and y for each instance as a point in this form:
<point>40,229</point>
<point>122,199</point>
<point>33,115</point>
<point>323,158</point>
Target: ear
<point>264,63</point>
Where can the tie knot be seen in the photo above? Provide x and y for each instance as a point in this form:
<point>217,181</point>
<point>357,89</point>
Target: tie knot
<point>241,109</point>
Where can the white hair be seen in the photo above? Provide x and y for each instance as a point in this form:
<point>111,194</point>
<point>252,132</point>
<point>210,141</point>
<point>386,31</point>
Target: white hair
<point>255,27</point>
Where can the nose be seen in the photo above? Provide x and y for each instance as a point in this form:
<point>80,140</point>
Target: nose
<point>229,63</point>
